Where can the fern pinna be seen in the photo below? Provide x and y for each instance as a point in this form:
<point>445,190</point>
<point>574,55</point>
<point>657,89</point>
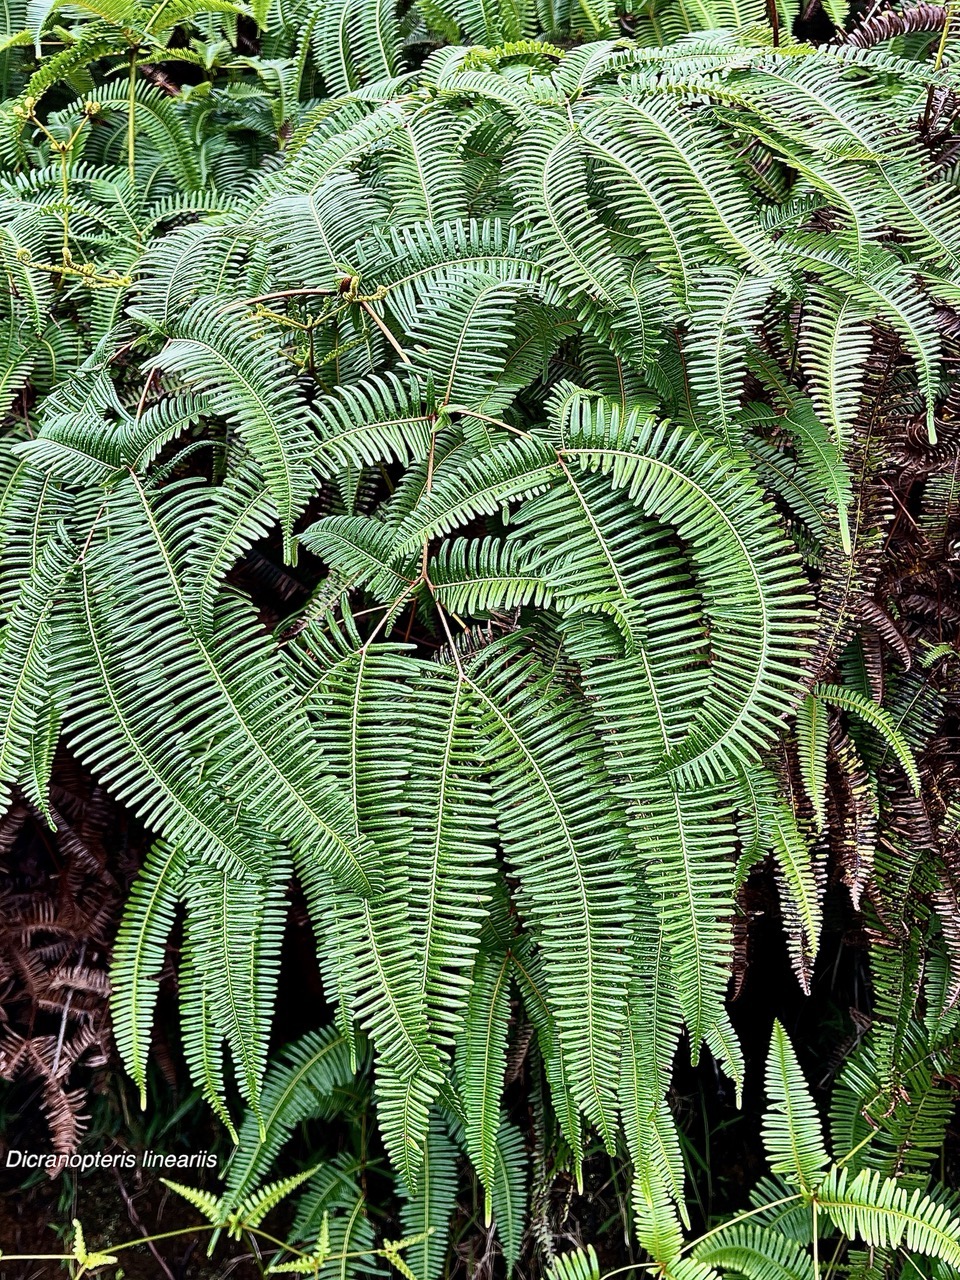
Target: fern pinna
<point>554,372</point>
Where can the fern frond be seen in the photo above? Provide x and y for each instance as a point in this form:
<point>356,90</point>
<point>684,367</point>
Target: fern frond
<point>254,1208</point>
<point>749,581</point>
<point>462,336</point>
<point>225,356</point>
<point>549,174</point>
<point>377,961</point>
<point>177,267</point>
<point>756,1253</point>
<point>835,342</point>
<point>203,1201</point>
<point>507,1194</point>
<point>240,513</point>
<point>450,857</point>
<point>567,857</point>
<point>685,838</point>
<point>579,1264</point>
<point>812,737</point>
<point>202,1040</point>
<point>424,172</point>
<point>155,776</point>
<point>791,1128</point>
<point>333,1193</point>
<point>887,292</point>
<point>729,311</point>
<point>478,576</point>
<point>427,1214</point>
<point>532,983</point>
<point>482,1060</point>
<point>650,1042</point>
<point>819,457</point>
<point>800,891</point>
<point>138,956</point>
<point>459,493</point>
<point>302,1084</point>
<point>380,419</point>
<point>330,220</point>
<point>877,718</point>
<point>239,941</point>
<point>27,683</point>
<point>361,550</point>
<point>882,1213</point>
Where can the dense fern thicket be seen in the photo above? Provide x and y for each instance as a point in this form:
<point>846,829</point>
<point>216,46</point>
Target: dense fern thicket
<point>491,472</point>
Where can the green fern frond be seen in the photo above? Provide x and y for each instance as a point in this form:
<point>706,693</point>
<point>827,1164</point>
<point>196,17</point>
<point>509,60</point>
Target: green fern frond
<point>567,857</point>
<point>204,1201</point>
<point>333,1193</point>
<point>27,683</point>
<point>730,309</point>
<point>475,577</point>
<point>303,1084</point>
<point>138,956</point>
<point>877,718</point>
<point>812,735</point>
<point>177,267</point>
<point>330,219</point>
<point>462,336</point>
<point>254,1208</point>
<point>580,1264</point>
<point>351,44</point>
<point>240,513</point>
<point>549,174</point>
<point>756,1253</point>
<point>375,420</point>
<point>361,550</point>
<point>818,456</point>
<point>650,1041</point>
<point>227,357</point>
<point>239,941</point>
<point>791,1128</point>
<point>532,984</point>
<point>748,578</point>
<point>836,342</point>
<point>426,1215</point>
<point>482,1061</point>
<point>887,292</point>
<point>507,1193</point>
<point>506,473</point>
<point>882,1213</point>
<point>685,838</point>
<point>800,890</point>
<point>202,1040</point>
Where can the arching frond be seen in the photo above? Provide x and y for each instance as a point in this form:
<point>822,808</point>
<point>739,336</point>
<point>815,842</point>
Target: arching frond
<point>882,1213</point>
<point>223,356</point>
<point>567,875</point>
<point>303,1083</point>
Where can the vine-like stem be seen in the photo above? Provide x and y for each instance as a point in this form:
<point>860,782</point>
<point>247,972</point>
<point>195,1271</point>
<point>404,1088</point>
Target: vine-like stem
<point>724,1226</point>
<point>65,189</point>
<point>38,1257</point>
<point>816,1240</point>
<point>132,116</point>
<point>773,15</point>
<point>385,331</point>
<point>938,61</point>
<point>742,1217</point>
<point>172,1235</point>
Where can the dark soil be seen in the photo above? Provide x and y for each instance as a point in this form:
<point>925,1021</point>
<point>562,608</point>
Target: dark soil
<point>114,1207</point>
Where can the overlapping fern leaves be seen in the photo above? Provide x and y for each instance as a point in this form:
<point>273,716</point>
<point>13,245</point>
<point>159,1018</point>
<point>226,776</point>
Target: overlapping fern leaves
<point>547,367</point>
